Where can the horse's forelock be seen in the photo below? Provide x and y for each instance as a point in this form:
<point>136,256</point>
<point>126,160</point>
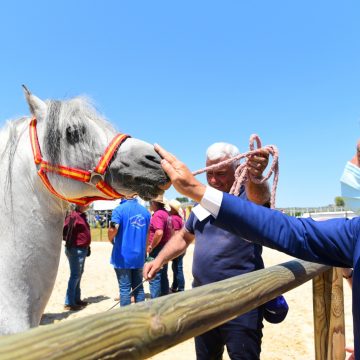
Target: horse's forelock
<point>52,134</point>
<point>85,110</point>
<point>60,114</point>
<point>76,113</point>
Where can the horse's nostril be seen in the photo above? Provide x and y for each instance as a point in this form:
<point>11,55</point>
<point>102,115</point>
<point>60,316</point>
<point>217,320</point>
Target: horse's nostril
<point>153,158</point>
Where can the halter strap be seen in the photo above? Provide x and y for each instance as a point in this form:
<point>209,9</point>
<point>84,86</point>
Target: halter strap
<point>95,177</point>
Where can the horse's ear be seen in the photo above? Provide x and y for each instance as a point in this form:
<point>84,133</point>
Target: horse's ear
<point>36,105</point>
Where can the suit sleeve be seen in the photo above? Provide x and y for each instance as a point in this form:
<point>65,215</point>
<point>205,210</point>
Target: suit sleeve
<point>330,242</point>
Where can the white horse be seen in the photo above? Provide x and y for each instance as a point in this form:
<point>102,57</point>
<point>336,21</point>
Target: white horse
<point>72,138</point>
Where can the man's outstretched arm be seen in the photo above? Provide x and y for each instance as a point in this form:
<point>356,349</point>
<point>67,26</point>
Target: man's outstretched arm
<point>329,242</point>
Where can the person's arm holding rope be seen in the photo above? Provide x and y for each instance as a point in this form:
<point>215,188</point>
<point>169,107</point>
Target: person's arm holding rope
<point>307,240</point>
<point>258,192</point>
<point>173,248</point>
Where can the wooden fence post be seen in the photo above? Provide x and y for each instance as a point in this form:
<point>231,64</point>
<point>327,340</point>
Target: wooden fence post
<point>329,324</point>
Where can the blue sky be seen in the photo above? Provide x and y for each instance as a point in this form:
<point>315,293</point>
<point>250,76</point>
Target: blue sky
<point>190,73</point>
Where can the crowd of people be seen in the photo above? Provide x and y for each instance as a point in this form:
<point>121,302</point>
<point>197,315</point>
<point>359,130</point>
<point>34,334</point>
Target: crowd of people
<point>137,235</point>
<point>229,233</point>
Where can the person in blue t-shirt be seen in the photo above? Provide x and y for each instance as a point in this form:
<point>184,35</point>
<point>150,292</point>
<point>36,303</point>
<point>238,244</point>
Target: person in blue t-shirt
<point>128,233</point>
<point>219,255</point>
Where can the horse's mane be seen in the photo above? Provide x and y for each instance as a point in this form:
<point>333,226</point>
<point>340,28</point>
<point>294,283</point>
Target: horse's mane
<point>9,139</point>
<point>76,113</point>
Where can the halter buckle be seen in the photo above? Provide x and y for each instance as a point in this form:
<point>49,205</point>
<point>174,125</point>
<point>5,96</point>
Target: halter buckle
<point>95,177</point>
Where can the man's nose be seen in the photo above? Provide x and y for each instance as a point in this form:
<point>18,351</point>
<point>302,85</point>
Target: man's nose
<point>211,179</point>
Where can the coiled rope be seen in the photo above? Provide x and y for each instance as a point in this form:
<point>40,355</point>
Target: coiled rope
<point>242,174</point>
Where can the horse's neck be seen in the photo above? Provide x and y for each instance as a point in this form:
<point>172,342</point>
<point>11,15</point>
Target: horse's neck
<point>31,222</point>
<point>25,198</point>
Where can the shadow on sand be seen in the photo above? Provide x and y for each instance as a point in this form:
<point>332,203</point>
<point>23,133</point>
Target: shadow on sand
<point>50,318</point>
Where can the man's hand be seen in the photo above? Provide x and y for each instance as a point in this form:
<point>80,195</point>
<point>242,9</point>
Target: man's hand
<point>256,192</point>
<point>151,268</point>
<point>181,177</point>
<point>112,231</point>
<point>258,163</point>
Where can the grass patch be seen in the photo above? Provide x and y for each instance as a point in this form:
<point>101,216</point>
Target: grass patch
<point>99,234</point>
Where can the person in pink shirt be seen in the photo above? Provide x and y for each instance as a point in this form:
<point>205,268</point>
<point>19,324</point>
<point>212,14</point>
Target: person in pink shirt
<point>159,234</point>
<point>177,221</point>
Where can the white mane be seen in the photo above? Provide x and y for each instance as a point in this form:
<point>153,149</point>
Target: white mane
<point>9,141</point>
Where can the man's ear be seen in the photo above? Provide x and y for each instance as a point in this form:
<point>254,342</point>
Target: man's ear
<point>37,106</point>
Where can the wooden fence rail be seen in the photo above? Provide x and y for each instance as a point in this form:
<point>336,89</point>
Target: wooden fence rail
<point>147,328</point>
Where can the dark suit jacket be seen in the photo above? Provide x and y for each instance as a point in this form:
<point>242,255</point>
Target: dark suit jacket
<point>332,242</point>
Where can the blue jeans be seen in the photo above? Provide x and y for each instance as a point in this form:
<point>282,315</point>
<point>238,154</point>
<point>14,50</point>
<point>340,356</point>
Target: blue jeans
<point>178,274</point>
<point>76,256</point>
<point>128,280</point>
<point>159,286</point>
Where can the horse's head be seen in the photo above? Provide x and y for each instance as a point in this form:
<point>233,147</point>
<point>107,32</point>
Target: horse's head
<point>72,134</point>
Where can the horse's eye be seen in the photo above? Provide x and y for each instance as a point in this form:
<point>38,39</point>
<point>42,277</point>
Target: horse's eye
<point>74,134</point>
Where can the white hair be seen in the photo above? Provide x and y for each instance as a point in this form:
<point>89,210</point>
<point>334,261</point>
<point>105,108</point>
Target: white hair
<point>222,150</point>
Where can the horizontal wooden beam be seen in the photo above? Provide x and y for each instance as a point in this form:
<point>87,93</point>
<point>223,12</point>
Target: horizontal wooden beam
<point>142,330</point>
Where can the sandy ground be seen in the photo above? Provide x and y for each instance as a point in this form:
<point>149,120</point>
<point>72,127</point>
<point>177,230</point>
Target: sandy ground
<point>292,339</point>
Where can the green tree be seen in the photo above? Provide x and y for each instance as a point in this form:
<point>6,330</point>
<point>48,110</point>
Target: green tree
<point>182,199</point>
<point>339,201</point>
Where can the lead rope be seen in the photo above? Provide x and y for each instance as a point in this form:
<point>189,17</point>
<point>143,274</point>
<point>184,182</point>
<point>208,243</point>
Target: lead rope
<point>242,174</point>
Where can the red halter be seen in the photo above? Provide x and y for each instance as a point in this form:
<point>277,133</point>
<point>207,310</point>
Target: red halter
<point>95,177</point>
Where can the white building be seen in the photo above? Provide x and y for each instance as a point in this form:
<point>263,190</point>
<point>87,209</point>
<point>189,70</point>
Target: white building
<point>329,215</point>
<point>102,205</point>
